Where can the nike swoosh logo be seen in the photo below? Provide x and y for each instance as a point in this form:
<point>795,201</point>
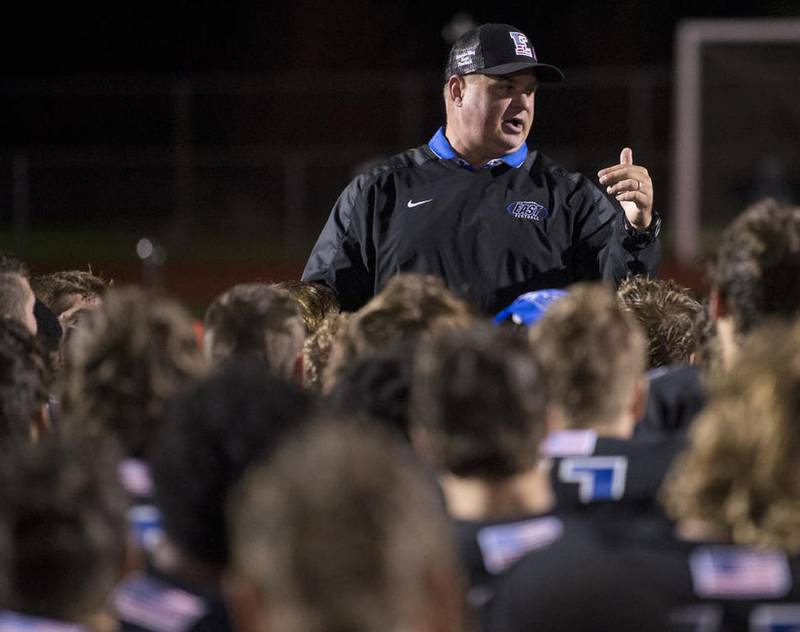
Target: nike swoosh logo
<point>413,204</point>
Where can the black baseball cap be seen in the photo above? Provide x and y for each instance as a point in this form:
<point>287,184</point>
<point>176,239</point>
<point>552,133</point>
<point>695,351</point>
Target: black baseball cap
<point>497,49</point>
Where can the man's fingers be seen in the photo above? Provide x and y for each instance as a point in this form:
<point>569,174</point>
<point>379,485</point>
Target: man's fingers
<point>638,197</point>
<point>614,169</point>
<point>630,184</point>
<point>612,175</point>
<point>626,156</point>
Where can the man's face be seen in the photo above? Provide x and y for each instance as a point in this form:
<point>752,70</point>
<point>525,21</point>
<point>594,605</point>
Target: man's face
<point>497,111</point>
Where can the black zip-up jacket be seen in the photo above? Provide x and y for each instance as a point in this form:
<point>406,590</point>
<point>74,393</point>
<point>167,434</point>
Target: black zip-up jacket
<point>491,234</point>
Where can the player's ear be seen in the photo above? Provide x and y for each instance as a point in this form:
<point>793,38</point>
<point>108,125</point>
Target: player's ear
<point>455,89</point>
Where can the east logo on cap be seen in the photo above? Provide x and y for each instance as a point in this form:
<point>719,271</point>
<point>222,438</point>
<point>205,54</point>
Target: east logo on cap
<point>497,49</point>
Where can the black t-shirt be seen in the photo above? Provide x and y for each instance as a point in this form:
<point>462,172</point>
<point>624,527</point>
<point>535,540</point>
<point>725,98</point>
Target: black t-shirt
<point>675,398</point>
<point>489,548</point>
<point>613,479</point>
<point>716,587</point>
<point>576,583</point>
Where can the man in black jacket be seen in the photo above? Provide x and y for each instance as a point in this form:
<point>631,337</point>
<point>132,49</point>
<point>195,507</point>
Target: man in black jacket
<point>475,207</point>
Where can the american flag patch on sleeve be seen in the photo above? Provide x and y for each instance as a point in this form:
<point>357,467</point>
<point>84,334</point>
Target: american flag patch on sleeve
<point>503,544</point>
<point>732,572</point>
<point>149,603</point>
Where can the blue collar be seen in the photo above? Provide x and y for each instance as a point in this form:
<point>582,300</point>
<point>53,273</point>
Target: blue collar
<point>440,146</point>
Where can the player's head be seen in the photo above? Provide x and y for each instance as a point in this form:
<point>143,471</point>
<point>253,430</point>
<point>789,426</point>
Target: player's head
<point>212,432</point>
<point>69,290</point>
<point>669,315</point>
<point>377,386</point>
<point>593,355</point>
<point>490,80</point>
<point>62,529</point>
<point>741,473</point>
<point>23,378</point>
<point>478,403</point>
<point>315,300</point>
<point>357,542</point>
<point>410,306</point>
<point>121,367</point>
<point>255,320</point>
<point>756,274</point>
<point>9,262</point>
<point>17,299</point>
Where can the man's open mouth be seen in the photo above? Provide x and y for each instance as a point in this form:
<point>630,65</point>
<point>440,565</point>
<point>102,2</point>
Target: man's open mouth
<point>513,125</point>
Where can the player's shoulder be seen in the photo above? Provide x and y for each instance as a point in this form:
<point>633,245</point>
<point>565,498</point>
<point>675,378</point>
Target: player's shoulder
<point>675,396</point>
<point>588,469</point>
<point>499,544</point>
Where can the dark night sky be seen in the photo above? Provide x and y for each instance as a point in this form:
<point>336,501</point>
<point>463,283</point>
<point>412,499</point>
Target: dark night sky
<point>175,38</point>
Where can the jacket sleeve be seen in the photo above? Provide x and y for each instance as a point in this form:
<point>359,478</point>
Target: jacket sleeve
<point>343,257</point>
<point>607,247</point>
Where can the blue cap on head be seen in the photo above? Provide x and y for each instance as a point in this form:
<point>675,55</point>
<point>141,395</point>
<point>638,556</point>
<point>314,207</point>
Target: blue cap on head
<point>529,307</point>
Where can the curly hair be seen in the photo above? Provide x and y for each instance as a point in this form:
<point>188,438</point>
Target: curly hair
<point>741,473</point>
<point>671,318</point>
<point>60,290</point>
<point>757,267</point>
<point>316,301</point>
<point>317,349</point>
<point>120,368</point>
<point>411,305</point>
<point>592,353</point>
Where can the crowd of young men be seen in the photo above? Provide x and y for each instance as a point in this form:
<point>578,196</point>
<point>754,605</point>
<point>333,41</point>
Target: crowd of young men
<point>629,461</point>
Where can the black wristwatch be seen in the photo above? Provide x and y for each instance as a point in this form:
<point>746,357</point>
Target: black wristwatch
<point>642,237</point>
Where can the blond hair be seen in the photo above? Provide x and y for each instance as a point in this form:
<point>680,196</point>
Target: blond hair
<point>741,473</point>
<point>592,354</point>
<point>411,305</point>
<point>355,542</point>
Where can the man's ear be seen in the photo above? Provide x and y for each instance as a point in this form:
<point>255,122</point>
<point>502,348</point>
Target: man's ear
<point>243,604</point>
<point>455,89</point>
<point>717,305</point>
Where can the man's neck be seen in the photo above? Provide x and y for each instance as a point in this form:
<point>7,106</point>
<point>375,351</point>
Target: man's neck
<point>474,157</point>
<point>477,499</point>
<point>728,342</point>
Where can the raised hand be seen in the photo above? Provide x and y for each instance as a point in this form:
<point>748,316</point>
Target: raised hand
<point>632,186</point>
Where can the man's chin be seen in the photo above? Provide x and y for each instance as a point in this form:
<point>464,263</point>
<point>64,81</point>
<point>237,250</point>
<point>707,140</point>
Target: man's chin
<point>509,144</point>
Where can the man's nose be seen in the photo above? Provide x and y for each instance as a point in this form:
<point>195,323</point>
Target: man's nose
<point>523,100</point>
